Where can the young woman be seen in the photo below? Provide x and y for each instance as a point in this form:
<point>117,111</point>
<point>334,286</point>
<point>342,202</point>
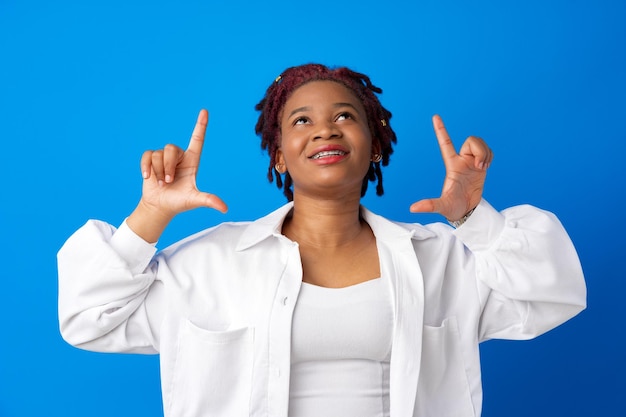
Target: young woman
<point>321,307</point>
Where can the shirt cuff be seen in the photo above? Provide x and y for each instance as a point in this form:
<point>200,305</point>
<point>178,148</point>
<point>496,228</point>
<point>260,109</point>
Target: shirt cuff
<point>131,248</point>
<point>482,228</point>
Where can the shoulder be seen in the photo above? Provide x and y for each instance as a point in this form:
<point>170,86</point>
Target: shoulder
<point>430,243</point>
<point>384,227</point>
<point>224,235</point>
<point>235,236</point>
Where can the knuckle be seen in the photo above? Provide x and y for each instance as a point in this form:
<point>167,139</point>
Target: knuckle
<point>157,158</point>
<point>170,148</point>
<point>146,157</point>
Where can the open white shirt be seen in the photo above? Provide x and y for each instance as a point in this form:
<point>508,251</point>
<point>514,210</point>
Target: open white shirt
<point>218,306</point>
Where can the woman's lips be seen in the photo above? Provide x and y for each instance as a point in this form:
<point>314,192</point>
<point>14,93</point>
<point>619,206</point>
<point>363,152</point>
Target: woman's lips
<point>328,151</point>
<point>326,154</point>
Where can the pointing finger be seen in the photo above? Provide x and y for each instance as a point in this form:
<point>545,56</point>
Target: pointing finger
<point>445,143</point>
<point>197,136</point>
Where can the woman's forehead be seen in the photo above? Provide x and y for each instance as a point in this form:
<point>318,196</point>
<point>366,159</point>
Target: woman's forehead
<point>323,91</point>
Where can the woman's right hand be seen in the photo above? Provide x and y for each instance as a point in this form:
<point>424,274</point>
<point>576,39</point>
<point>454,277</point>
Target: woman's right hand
<point>169,185</point>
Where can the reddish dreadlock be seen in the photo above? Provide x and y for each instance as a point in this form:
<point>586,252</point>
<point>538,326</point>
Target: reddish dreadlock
<point>271,106</point>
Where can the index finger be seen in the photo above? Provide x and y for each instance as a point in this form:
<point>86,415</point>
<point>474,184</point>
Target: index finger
<point>197,136</point>
<point>445,143</point>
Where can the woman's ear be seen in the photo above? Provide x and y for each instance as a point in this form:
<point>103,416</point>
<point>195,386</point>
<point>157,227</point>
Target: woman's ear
<point>280,166</point>
<point>376,148</point>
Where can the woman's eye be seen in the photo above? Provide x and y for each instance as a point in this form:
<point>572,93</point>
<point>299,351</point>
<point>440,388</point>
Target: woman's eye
<point>300,121</point>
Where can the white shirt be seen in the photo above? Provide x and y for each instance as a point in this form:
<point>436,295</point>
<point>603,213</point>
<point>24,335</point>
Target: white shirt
<point>218,305</point>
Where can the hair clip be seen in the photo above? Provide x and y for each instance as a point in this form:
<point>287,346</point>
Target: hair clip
<point>278,78</point>
<point>383,122</point>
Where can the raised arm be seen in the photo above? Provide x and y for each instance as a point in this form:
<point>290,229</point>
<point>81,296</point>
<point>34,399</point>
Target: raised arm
<point>111,291</point>
<point>529,277</point>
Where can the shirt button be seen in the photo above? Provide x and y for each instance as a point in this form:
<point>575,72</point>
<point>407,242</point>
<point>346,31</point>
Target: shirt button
<point>285,300</point>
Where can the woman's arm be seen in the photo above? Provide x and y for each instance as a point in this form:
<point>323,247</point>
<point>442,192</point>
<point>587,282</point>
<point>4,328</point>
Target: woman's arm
<point>111,296</point>
<point>529,277</point>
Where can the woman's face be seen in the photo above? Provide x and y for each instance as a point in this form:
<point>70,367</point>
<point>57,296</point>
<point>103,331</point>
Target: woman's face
<point>326,144</point>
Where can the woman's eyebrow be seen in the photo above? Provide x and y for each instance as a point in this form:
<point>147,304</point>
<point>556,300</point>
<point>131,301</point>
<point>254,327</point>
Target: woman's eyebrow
<point>336,105</point>
<point>298,110</point>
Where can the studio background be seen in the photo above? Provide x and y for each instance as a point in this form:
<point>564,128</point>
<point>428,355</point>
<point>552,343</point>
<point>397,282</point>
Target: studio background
<point>86,87</point>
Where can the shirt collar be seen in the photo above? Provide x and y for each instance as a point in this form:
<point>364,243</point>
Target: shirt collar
<point>384,229</point>
<point>261,229</point>
<point>387,230</point>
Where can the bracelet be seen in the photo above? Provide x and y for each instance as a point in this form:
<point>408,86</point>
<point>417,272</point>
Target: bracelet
<point>462,220</point>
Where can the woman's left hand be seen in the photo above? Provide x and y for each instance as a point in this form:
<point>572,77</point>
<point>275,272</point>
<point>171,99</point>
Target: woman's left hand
<point>465,176</point>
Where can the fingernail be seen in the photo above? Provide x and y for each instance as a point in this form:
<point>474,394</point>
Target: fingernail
<point>168,178</point>
<point>161,183</point>
<point>144,174</point>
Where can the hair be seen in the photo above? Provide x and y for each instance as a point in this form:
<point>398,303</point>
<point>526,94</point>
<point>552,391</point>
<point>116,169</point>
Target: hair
<point>271,107</point>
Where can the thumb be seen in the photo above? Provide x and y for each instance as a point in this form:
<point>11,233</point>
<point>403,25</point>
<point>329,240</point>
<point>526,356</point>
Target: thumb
<point>201,199</point>
<point>427,205</point>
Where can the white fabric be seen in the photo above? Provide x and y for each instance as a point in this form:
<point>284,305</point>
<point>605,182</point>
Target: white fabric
<point>218,305</point>
<point>340,350</point>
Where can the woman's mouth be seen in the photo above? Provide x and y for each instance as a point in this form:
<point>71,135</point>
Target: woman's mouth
<point>325,154</point>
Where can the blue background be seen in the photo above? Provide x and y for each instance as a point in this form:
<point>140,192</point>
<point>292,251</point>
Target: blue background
<point>86,87</point>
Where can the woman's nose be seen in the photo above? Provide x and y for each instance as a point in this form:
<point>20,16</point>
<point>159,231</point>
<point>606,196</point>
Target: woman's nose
<point>326,130</point>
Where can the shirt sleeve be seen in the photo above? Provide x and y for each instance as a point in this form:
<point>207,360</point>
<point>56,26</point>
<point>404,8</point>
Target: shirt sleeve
<point>109,297</point>
<point>529,275</point>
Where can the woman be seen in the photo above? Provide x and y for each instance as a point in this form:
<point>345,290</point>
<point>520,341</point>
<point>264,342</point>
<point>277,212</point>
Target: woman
<point>321,307</point>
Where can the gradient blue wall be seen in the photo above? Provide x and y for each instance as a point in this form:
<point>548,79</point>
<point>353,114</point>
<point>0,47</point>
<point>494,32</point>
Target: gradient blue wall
<point>85,87</point>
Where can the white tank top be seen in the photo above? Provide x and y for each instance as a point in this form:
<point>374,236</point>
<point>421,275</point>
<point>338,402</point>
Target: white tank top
<point>340,350</point>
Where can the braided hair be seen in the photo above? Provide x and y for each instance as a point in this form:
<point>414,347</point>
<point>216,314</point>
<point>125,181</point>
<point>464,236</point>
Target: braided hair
<point>271,107</point>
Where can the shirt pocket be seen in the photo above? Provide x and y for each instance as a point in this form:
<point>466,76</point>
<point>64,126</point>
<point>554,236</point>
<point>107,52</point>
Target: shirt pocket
<point>213,372</point>
<point>443,389</point>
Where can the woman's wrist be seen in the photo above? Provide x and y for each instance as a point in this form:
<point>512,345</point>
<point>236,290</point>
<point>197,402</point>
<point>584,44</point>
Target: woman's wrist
<point>147,222</point>
<point>458,223</point>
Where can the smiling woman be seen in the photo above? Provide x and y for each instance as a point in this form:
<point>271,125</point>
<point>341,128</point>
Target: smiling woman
<point>326,140</point>
<point>362,101</point>
<point>320,307</point>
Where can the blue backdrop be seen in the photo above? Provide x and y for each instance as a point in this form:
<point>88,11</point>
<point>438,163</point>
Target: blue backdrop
<point>86,87</point>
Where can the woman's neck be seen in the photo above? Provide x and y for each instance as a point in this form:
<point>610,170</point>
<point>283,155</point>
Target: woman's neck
<point>324,223</point>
